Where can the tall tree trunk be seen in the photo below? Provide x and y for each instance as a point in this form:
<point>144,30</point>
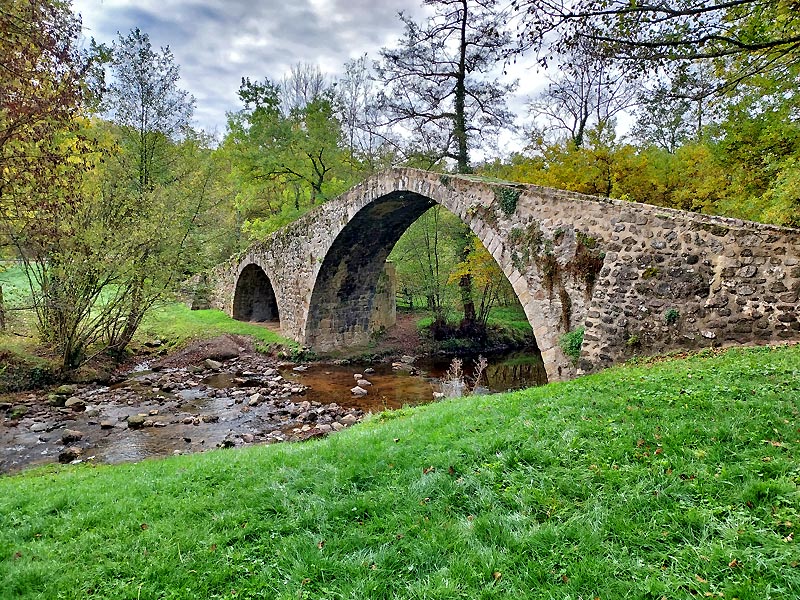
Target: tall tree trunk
<point>460,133</point>
<point>460,119</point>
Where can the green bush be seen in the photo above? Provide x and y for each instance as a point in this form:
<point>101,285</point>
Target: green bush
<point>571,343</point>
<point>671,316</point>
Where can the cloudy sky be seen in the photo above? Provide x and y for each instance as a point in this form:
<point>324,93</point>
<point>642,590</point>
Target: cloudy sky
<point>217,42</point>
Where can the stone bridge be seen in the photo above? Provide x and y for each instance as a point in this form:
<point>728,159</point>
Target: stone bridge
<point>640,279</point>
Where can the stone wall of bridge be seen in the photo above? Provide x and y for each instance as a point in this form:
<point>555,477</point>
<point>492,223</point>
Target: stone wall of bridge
<point>640,279</point>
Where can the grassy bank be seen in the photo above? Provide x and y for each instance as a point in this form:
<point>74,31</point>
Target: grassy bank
<point>677,480</point>
<point>25,364</point>
<point>177,324</point>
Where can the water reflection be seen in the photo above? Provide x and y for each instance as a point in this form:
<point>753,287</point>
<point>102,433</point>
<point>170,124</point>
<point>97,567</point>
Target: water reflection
<point>392,389</point>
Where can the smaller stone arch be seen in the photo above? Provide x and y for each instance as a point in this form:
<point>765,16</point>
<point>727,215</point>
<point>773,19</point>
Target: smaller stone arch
<point>254,298</point>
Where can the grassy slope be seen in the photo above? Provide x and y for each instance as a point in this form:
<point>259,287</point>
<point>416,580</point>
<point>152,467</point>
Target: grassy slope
<point>177,323</point>
<point>677,480</point>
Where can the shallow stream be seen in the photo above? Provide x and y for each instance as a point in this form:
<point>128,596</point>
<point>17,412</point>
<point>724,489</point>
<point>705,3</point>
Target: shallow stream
<point>241,401</point>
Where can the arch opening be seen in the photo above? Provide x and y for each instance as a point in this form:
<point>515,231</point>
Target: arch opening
<point>343,297</point>
<point>254,299</point>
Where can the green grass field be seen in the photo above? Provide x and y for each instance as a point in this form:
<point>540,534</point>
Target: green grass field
<point>178,324</point>
<point>675,480</point>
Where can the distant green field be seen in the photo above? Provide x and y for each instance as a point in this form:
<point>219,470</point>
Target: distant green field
<point>15,285</point>
<point>676,480</point>
<point>171,321</point>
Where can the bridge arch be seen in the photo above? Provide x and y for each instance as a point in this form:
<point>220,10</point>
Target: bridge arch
<point>254,297</point>
<point>340,305</point>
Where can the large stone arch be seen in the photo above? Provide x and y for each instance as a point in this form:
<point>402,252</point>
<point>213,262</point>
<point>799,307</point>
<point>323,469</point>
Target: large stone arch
<point>254,297</point>
<point>339,307</point>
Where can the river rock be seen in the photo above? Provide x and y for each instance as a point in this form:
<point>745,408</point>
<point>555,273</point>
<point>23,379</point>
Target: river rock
<point>212,364</point>
<point>349,419</point>
<point>70,435</point>
<point>336,426</point>
<point>75,404</point>
<point>136,421</point>
<point>369,370</point>
<point>248,438</point>
<point>308,417</point>
<point>38,427</point>
<point>363,383</point>
<point>409,360</point>
<point>357,376</point>
<point>66,390</point>
<point>255,399</point>
<point>106,424</point>
<point>56,400</point>
<point>358,391</point>
<point>69,454</point>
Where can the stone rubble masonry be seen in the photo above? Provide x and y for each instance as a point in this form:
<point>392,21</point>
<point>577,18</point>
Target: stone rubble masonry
<point>640,279</point>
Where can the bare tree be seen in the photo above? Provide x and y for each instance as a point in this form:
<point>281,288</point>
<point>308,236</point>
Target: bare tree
<point>366,136</point>
<point>304,84</point>
<point>676,111</point>
<point>587,91</point>
<point>438,82</point>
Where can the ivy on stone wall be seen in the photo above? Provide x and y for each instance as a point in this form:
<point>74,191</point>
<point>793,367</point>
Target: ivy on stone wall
<point>507,198</point>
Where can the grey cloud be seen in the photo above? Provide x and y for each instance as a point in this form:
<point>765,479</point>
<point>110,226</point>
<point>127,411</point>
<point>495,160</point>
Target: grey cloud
<point>217,42</point>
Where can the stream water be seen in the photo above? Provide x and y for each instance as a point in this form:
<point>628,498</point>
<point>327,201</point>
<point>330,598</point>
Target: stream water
<point>393,388</point>
<point>245,400</point>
